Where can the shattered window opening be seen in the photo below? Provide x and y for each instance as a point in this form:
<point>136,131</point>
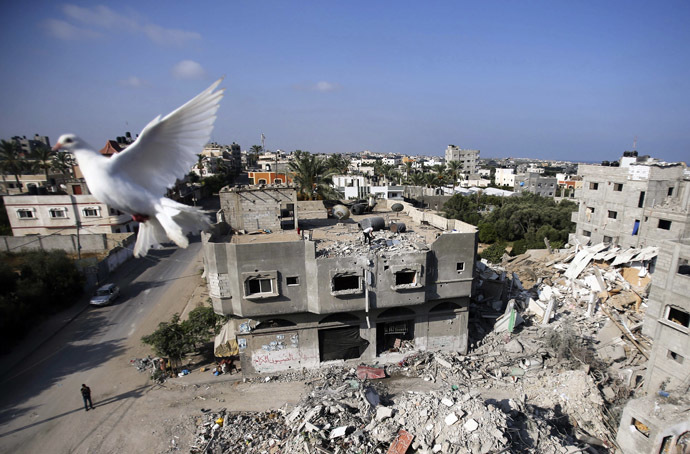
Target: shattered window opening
<point>460,267</point>
<point>678,316</point>
<point>346,283</point>
<point>683,267</point>
<point>675,356</point>
<point>618,187</point>
<point>664,224</point>
<point>641,428</point>
<point>405,278</point>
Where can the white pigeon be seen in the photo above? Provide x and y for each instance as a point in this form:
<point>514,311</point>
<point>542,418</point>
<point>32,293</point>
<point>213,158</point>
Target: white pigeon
<point>135,180</point>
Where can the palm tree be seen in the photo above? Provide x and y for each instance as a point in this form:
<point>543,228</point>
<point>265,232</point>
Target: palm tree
<point>312,176</point>
<point>417,179</point>
<point>10,162</point>
<point>454,169</point>
<point>255,150</point>
<point>408,169</point>
<point>63,162</point>
<point>44,159</point>
<point>338,163</point>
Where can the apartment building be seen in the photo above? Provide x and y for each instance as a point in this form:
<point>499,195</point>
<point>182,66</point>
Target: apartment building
<point>638,203</point>
<point>536,184</point>
<point>667,319</point>
<point>61,214</point>
<point>306,289</point>
<point>505,177</point>
<point>468,158</point>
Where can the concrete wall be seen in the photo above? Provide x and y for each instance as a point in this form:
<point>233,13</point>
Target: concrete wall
<point>68,243</point>
<point>669,361</point>
<point>287,348</point>
<point>255,209</point>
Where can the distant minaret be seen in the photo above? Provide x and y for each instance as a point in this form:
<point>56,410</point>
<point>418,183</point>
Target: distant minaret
<point>634,144</point>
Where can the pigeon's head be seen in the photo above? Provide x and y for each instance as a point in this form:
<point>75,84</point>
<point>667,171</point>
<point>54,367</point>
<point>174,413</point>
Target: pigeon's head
<point>68,142</point>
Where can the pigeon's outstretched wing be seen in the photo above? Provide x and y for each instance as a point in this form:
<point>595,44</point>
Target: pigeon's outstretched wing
<point>167,148</point>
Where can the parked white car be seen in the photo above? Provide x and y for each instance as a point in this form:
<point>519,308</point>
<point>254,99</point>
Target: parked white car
<point>105,295</point>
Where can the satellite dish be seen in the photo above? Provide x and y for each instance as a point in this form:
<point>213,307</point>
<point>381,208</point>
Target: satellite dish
<point>397,207</point>
<point>341,212</point>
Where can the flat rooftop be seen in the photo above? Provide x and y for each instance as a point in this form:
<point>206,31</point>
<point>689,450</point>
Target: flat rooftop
<point>336,238</point>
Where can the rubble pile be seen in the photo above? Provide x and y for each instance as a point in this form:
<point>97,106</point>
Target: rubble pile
<point>384,241</point>
<point>343,414</point>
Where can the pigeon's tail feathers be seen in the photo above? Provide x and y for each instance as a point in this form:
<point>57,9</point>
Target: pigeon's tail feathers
<point>178,220</point>
<point>151,235</point>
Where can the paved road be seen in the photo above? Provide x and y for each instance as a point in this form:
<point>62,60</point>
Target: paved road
<point>41,408</point>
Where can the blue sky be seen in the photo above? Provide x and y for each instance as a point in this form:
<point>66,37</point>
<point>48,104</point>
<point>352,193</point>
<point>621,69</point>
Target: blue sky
<point>572,80</point>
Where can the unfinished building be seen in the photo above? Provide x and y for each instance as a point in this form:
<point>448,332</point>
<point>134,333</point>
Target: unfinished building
<point>637,203</point>
<point>305,289</point>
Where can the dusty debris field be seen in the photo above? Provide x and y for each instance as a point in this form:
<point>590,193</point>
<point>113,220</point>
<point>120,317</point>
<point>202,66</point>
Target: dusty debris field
<point>550,365</point>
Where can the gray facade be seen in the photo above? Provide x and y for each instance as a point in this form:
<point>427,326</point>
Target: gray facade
<point>536,184</point>
<point>468,158</point>
<point>633,206</point>
<point>306,293</point>
<point>667,318</point>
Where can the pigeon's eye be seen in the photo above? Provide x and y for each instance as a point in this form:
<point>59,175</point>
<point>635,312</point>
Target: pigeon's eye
<point>68,140</point>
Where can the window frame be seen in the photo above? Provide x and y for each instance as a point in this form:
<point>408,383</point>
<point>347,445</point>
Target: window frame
<point>260,276</point>
<point>62,210</point>
<point>29,211</point>
<point>91,208</point>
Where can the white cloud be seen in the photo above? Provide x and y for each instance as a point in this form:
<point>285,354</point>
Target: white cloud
<point>103,18</point>
<point>133,82</point>
<point>325,86</point>
<point>322,86</point>
<point>188,69</point>
<point>64,30</point>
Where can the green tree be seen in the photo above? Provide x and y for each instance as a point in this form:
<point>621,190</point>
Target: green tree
<point>311,175</point>
<point>201,324</point>
<point>454,170</point>
<point>494,253</point>
<point>44,159</point>
<point>10,160</point>
<point>170,340</point>
<point>338,164</point>
<point>253,155</point>
<point>63,162</point>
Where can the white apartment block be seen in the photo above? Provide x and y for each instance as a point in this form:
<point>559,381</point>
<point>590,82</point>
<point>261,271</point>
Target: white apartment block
<point>505,177</point>
<point>60,214</point>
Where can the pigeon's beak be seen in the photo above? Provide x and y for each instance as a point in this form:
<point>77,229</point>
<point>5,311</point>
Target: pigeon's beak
<point>57,146</point>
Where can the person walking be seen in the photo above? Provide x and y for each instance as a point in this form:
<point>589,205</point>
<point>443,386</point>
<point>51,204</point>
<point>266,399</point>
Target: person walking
<point>86,395</point>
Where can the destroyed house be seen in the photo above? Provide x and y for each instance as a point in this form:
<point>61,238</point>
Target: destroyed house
<point>304,288</point>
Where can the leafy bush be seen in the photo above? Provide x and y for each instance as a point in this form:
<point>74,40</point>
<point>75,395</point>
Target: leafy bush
<point>34,285</point>
<point>494,253</point>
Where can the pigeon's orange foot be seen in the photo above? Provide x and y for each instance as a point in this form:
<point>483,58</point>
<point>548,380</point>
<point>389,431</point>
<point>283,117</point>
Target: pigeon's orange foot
<point>140,217</point>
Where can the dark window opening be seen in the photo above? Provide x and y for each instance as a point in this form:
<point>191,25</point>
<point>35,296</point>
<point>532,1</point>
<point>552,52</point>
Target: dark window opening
<point>274,323</point>
<point>405,278</point>
<point>613,214</point>
<point>341,343</point>
<point>683,267</point>
<point>618,187</point>
<point>390,336</point>
<point>636,227</point>
<point>675,356</point>
<point>594,186</point>
<point>678,316</point>
<point>292,280</point>
<point>262,181</point>
<point>640,203</point>
<point>608,239</point>
<point>670,192</point>
<point>255,286</point>
<point>664,224</point>
<point>586,233</point>
<point>460,267</point>
<point>347,282</point>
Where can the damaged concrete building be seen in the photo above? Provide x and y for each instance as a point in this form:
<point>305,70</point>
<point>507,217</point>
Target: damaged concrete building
<point>638,203</point>
<point>304,288</point>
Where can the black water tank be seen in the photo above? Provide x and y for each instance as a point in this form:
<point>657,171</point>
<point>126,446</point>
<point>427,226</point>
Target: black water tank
<point>358,208</point>
<point>375,223</point>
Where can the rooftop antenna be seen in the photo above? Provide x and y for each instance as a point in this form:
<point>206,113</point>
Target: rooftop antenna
<point>635,143</point>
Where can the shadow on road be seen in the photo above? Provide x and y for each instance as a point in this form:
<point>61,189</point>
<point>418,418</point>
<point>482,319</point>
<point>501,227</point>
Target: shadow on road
<point>135,393</point>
